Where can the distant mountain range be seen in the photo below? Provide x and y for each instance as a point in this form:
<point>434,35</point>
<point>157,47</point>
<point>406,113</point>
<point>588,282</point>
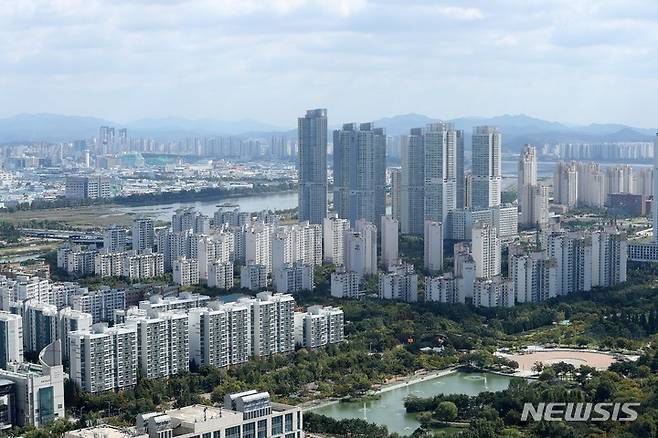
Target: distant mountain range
<point>55,127</point>
<point>517,129</point>
<point>521,129</point>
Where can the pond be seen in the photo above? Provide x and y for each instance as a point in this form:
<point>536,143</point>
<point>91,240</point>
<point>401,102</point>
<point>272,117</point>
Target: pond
<point>388,408</point>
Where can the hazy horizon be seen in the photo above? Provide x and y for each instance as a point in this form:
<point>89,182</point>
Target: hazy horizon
<point>571,62</point>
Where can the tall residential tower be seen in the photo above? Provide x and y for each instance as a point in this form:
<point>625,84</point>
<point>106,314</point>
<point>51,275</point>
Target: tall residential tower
<point>312,170</point>
<point>360,172</point>
<point>487,143</point>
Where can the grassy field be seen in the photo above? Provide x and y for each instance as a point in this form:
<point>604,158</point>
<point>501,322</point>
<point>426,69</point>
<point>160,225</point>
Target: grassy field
<point>97,216</point>
<point>26,249</point>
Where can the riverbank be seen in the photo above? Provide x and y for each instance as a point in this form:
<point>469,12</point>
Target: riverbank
<point>103,215</point>
<point>390,385</point>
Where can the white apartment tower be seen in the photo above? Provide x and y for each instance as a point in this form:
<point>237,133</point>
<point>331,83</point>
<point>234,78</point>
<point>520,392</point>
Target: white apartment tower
<point>534,275</point>
<point>104,358</point>
<point>294,278</point>
<point>333,230</point>
<point>70,321</point>
<point>162,343</point>
<point>441,145</point>
<point>433,246</point>
<point>11,339</point>
<point>344,284</point>
<point>143,236</point>
<point>609,257</point>
<point>257,244</point>
<point>297,243</point>
<point>493,292</point>
<point>400,283</point>
<point>389,227</point>
<point>565,184</point>
<point>485,248</point>
<point>253,276</point>
<point>186,271</point>
<point>114,239</point>
<point>220,274</point>
<point>272,317</point>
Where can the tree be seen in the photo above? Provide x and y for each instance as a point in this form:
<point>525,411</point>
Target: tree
<point>446,411</point>
<point>424,418</point>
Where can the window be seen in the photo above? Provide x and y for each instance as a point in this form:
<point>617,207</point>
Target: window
<point>46,405</point>
<point>277,425</point>
<point>216,434</point>
<point>289,422</point>
<point>262,429</point>
<point>233,432</point>
<point>207,435</point>
<point>249,430</point>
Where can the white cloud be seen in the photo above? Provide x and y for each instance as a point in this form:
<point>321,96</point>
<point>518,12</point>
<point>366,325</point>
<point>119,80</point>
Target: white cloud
<point>460,13</point>
<point>362,59</point>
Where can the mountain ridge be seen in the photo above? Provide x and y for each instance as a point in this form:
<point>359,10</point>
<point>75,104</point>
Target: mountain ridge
<point>517,128</point>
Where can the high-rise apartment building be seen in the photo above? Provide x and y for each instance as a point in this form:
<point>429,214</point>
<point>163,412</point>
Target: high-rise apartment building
<point>399,283</point>
<point>40,322</point>
<point>534,275</point>
<point>272,317</point>
<point>609,257</point>
<point>294,278</point>
<point>333,231</point>
<point>441,142</point>
<point>115,239</point>
<point>344,283</point>
<point>220,334</point>
<point>396,194</point>
<point>433,246</point>
<point>220,274</point>
<point>71,320</point>
<point>412,189</point>
<point>360,172</point>
<point>654,205</point>
<point>319,326</point>
<point>297,243</point>
<point>487,144</point>
<point>143,236</point>
<point>312,170</point>
<point>104,358</point>
<point>186,271</point>
<point>162,343</point>
<point>389,240</point>
<point>565,184</point>
<point>11,339</point>
<point>485,248</point>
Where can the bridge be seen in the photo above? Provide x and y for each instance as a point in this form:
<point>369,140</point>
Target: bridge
<point>76,236</point>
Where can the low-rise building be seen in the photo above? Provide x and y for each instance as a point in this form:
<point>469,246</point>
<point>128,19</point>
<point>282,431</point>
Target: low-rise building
<point>319,326</point>
<point>344,283</point>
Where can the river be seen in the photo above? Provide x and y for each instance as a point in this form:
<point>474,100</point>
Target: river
<point>270,201</point>
<point>388,408</point>
<point>288,200</point>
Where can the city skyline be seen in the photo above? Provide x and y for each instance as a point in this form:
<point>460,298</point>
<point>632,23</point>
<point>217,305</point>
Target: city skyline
<point>233,60</point>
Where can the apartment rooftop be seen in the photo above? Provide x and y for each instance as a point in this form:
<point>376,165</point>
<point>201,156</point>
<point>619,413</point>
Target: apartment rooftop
<point>104,431</point>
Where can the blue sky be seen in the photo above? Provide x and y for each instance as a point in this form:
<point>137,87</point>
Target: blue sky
<point>574,61</point>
